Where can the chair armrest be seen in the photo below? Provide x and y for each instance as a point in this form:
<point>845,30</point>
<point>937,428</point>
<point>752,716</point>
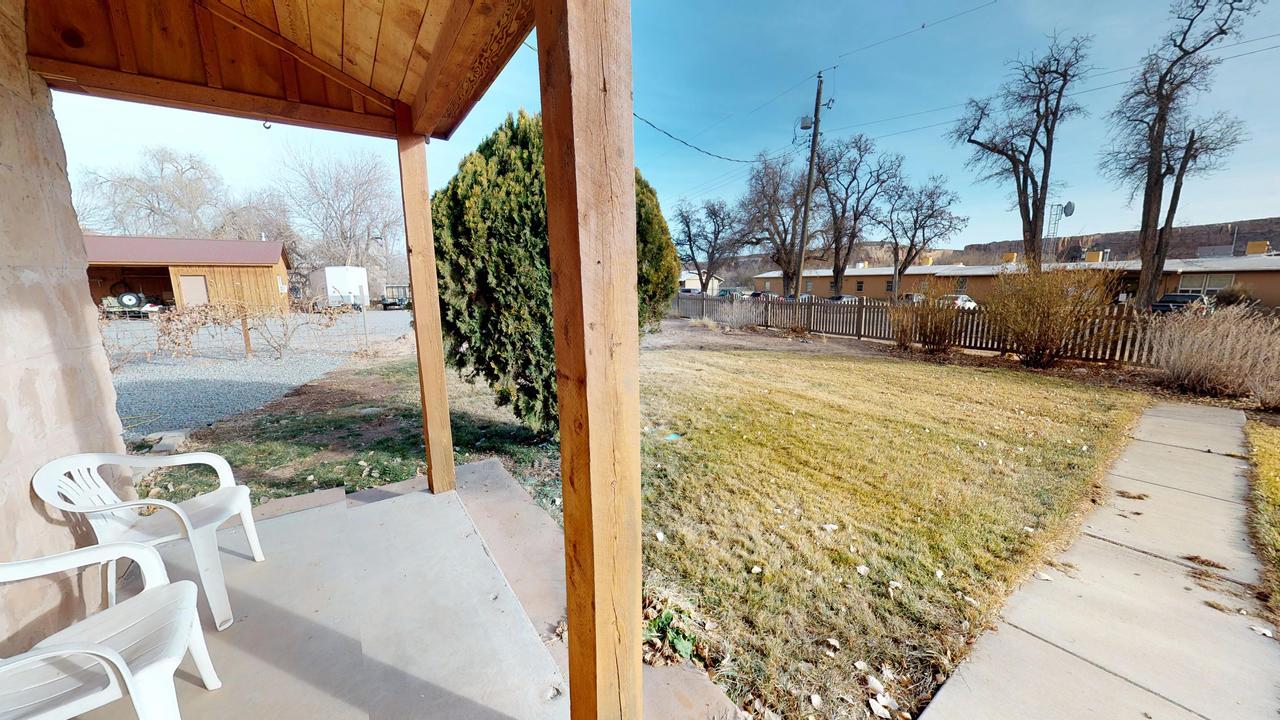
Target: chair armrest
<point>151,502</point>
<point>106,657</point>
<point>147,558</point>
<point>220,465</point>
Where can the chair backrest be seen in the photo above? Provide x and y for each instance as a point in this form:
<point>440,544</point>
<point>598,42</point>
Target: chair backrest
<point>74,483</point>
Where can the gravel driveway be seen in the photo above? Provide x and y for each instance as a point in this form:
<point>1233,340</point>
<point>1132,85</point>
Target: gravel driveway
<point>156,392</point>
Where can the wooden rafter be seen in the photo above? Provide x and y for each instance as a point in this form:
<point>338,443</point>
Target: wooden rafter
<point>75,77</point>
<point>302,55</point>
<point>125,53</point>
<point>450,29</point>
<point>208,47</point>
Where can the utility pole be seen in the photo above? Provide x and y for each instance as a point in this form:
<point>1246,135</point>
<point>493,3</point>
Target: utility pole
<point>808,192</point>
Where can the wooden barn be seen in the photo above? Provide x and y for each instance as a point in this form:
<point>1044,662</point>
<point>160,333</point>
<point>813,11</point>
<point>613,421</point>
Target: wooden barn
<point>187,271</point>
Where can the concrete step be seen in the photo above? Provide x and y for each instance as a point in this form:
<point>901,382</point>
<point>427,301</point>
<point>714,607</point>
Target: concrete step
<point>529,547</point>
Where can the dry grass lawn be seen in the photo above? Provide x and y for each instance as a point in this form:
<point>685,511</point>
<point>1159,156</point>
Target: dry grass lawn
<point>1264,454</point>
<point>882,504</point>
<point>889,504</point>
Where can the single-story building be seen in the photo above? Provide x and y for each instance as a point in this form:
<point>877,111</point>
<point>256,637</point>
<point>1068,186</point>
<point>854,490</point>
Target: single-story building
<point>689,280</point>
<point>1259,274</point>
<point>859,280</point>
<point>187,271</point>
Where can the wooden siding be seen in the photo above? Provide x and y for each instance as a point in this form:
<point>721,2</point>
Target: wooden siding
<point>258,286</point>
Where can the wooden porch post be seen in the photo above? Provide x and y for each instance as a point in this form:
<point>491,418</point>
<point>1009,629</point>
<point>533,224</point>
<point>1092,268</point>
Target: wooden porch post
<point>436,433</point>
<point>584,57</point>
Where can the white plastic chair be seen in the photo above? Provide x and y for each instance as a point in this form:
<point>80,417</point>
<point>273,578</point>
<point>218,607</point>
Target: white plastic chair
<point>73,484</point>
<point>134,646</point>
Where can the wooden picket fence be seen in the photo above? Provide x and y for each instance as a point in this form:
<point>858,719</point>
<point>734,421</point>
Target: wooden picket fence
<point>1117,334</point>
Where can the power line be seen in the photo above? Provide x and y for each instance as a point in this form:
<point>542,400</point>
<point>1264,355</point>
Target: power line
<point>1078,92</point>
<point>923,26</point>
<point>651,124</point>
<point>688,144</point>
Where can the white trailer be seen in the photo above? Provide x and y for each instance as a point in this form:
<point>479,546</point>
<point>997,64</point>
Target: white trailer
<point>340,285</point>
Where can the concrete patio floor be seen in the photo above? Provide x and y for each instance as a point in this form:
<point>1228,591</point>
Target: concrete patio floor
<point>389,609</point>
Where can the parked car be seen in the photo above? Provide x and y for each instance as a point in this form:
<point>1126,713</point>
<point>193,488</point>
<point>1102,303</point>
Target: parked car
<point>960,300</point>
<point>804,297</point>
<point>843,299</point>
<point>763,295</point>
<point>726,293</point>
<point>1173,302</point>
<point>690,291</point>
<point>394,303</point>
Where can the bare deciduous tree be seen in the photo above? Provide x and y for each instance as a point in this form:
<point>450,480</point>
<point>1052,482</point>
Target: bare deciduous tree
<point>168,194</point>
<point>1155,142</point>
<point>917,219</point>
<point>851,180</point>
<point>1013,134</point>
<point>265,215</point>
<point>772,207</point>
<point>707,237</point>
<point>345,208</point>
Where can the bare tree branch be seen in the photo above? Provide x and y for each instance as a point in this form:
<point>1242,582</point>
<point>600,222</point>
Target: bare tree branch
<point>1013,134</point>
<point>1155,142</point>
<point>851,181</point>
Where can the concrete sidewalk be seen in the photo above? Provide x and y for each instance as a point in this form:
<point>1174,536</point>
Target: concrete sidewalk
<point>1136,624</point>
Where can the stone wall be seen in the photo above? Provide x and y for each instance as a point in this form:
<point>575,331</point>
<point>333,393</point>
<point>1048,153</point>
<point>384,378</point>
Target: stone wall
<point>56,396</point>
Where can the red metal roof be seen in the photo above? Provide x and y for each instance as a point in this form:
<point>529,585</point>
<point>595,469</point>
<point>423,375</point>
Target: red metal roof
<point>142,250</point>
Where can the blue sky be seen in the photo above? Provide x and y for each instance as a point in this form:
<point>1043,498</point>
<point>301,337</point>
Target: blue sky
<point>715,73</point>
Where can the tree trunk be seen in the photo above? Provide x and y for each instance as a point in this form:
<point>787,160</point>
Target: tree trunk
<point>1149,229</point>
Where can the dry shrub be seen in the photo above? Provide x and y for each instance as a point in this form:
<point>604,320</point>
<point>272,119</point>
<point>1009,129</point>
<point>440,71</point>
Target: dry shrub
<point>1233,351</point>
<point>1041,314</point>
<point>275,325</point>
<point>1234,294</point>
<point>121,346</point>
<point>176,328</point>
<point>930,322</point>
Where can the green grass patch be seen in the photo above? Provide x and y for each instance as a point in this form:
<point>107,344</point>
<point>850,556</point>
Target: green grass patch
<point>1264,455</point>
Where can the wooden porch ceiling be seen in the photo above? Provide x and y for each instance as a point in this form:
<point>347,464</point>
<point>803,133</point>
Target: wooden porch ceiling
<point>336,64</point>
